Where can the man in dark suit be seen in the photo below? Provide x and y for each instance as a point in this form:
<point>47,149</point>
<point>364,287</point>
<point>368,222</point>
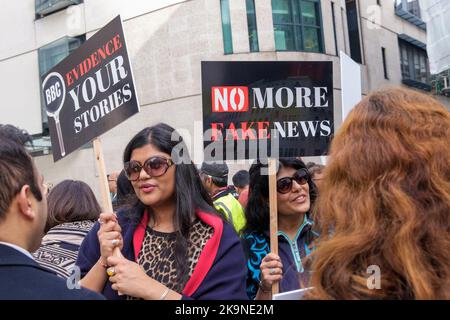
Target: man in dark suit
<point>23,214</point>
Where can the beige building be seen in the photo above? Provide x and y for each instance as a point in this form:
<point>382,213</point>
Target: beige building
<point>168,39</point>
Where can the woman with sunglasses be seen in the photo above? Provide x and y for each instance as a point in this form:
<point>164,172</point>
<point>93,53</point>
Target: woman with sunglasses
<point>174,244</point>
<point>295,195</point>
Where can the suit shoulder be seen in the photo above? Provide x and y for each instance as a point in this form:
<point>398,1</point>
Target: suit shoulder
<point>34,283</point>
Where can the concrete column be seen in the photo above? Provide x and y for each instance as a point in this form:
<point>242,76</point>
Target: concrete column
<point>264,24</point>
<point>239,27</point>
<point>327,27</point>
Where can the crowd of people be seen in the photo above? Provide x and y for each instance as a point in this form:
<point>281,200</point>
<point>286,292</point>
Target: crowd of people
<point>182,232</point>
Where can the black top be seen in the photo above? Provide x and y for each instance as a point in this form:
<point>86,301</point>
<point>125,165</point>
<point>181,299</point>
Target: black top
<point>21,278</point>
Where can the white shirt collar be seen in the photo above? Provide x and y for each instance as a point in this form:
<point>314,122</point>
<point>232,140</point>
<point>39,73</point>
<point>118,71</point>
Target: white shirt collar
<point>22,250</point>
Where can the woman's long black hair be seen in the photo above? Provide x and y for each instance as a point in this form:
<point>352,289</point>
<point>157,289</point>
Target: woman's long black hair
<point>257,210</point>
<point>189,191</point>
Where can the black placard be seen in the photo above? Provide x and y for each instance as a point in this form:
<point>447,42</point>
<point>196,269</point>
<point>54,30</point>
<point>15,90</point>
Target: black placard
<point>243,102</point>
<point>90,91</point>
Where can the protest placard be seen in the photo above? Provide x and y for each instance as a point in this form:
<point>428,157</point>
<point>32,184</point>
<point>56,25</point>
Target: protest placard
<point>267,110</point>
<point>90,91</point>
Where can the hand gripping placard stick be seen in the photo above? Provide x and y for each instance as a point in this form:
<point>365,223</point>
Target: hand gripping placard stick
<point>104,188</point>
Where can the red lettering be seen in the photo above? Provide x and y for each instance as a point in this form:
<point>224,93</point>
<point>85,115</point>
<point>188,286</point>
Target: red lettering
<point>231,130</point>
<point>248,131</point>
<point>263,130</point>
<point>94,59</point>
<point>87,64</point>
<point>109,51</point>
<point>229,99</point>
<point>117,42</point>
<point>75,73</point>
<point>69,79</point>
<point>216,131</point>
<point>80,67</point>
<point>101,53</point>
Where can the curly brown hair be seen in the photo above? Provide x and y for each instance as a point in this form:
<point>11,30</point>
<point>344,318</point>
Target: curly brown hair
<point>385,201</point>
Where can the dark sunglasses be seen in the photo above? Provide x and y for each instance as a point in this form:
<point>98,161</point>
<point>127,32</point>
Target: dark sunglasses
<point>284,185</point>
<point>154,167</point>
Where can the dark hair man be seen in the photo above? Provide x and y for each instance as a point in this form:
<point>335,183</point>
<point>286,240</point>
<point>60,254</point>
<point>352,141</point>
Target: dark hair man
<point>23,216</point>
<point>316,172</point>
<point>8,131</point>
<point>241,181</point>
<point>112,184</point>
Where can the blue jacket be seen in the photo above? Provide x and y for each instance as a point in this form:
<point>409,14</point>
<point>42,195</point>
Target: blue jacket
<point>21,278</point>
<point>257,246</point>
<point>219,274</point>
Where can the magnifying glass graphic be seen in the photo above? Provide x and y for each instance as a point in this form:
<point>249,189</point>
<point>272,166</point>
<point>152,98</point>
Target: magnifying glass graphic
<point>54,92</point>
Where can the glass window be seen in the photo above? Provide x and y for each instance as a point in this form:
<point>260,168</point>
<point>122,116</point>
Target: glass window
<point>281,11</point>
<point>226,26</point>
<point>334,28</point>
<point>414,63</point>
<point>309,13</point>
<point>284,38</point>
<point>45,7</point>
<point>251,23</point>
<point>312,39</point>
<point>405,62</point>
<point>383,57</point>
<point>353,30</point>
<point>297,25</point>
<point>423,69</point>
<point>411,6</point>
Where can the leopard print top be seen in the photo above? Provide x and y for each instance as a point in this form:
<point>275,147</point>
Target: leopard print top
<point>157,255</point>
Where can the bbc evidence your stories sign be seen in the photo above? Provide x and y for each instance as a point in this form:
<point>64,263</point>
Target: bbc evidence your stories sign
<point>266,109</point>
<point>90,91</point>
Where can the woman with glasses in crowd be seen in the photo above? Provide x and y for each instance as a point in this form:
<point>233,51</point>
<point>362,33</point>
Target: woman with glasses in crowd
<point>174,244</point>
<point>295,195</point>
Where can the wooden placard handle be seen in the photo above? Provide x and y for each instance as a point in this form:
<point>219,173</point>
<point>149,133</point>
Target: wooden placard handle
<point>104,187</point>
<point>273,213</point>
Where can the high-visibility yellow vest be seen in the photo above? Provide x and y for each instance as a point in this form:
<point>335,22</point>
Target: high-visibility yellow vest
<point>232,210</point>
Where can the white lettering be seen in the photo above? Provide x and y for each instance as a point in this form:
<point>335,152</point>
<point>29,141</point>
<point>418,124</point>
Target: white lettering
<point>260,101</point>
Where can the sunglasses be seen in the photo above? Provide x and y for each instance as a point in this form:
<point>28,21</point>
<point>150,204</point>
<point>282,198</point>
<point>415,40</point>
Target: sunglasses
<point>154,167</point>
<point>284,185</point>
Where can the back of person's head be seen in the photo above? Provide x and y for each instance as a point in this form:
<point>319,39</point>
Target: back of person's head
<point>316,171</point>
<point>70,201</point>
<point>112,181</point>
<point>22,137</point>
<point>315,168</point>
<point>17,169</point>
<point>385,201</point>
<point>241,179</point>
<point>217,171</point>
<point>257,210</point>
<point>310,165</point>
